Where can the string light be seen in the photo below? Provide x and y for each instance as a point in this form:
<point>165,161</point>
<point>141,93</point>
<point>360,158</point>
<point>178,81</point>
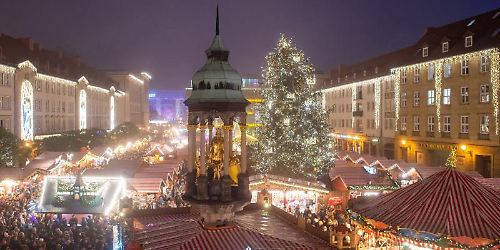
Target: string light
<point>54,79</point>
<point>7,69</point>
<point>492,53</point>
<point>135,78</point>
<point>397,94</point>
<point>27,64</point>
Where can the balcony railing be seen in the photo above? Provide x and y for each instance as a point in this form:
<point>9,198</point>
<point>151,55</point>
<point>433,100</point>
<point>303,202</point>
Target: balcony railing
<point>357,113</point>
<point>483,136</point>
<point>445,135</point>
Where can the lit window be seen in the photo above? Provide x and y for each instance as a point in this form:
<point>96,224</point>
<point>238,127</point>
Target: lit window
<point>431,97</point>
<point>484,63</point>
<point>447,69</point>
<point>416,74</point>
<point>446,96</point>
<point>403,99</point>
<point>445,46</point>
<point>485,93</point>
<point>464,66</point>
<point>484,124</point>
<point>464,93</point>
<point>430,72</point>
<point>416,98</point>
<point>468,41</point>
<point>416,123</point>
<point>464,124</point>
<point>403,123</point>
<point>425,51</point>
<point>430,124</point>
<point>446,124</point>
<point>403,76</point>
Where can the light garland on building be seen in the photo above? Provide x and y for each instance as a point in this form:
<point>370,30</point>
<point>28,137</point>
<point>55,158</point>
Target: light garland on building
<point>48,78</point>
<point>491,53</point>
<point>27,64</point>
<point>378,85</point>
<point>354,96</point>
<point>494,75</point>
<point>437,88</point>
<point>135,78</point>
<point>7,69</point>
<point>98,89</point>
<point>397,94</point>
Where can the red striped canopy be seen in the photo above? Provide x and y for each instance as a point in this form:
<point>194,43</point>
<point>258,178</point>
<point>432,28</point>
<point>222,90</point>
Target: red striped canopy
<point>447,203</point>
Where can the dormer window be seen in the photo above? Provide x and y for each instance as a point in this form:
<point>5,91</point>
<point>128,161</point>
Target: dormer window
<point>445,46</point>
<point>425,51</point>
<point>468,41</point>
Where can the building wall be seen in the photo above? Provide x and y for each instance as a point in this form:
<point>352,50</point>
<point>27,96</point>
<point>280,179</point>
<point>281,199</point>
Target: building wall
<point>475,148</point>
<point>361,115</point>
<point>56,101</point>
<point>136,88</point>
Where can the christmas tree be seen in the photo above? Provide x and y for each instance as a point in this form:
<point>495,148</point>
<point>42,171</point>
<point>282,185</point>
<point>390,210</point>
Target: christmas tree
<point>451,162</point>
<point>294,137</point>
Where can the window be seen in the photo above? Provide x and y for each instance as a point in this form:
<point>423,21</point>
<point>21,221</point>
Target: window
<point>47,103</point>
<point>430,124</point>
<point>416,98</point>
<point>403,99</point>
<point>416,75</point>
<point>464,124</point>
<point>468,41</point>
<point>464,93</point>
<point>403,76</point>
<point>484,124</point>
<point>447,69</point>
<point>430,72</point>
<point>485,93</point>
<point>445,47</point>
<point>484,64</point>
<point>446,124</point>
<point>431,97</point>
<point>416,123</point>
<point>425,51</point>
<point>403,123</point>
<point>446,96</point>
<point>464,66</point>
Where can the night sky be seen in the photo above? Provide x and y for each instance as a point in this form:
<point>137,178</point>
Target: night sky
<point>168,38</point>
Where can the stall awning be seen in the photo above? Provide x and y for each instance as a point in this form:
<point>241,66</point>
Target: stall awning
<point>449,202</point>
<point>146,185</point>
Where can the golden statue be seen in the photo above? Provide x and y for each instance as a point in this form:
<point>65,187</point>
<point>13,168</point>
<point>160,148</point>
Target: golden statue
<point>215,159</point>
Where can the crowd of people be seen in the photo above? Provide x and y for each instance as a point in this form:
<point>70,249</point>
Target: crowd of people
<point>20,228</point>
<point>326,218</point>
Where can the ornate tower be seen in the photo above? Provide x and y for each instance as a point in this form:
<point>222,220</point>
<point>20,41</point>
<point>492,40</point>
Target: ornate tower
<point>216,96</point>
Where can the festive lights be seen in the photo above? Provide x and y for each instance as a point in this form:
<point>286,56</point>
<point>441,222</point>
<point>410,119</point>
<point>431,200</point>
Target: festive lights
<point>135,78</point>
<point>111,112</point>
<point>26,111</point>
<point>99,89</point>
<point>397,95</point>
<point>48,78</point>
<point>7,69</point>
<point>27,64</point>
<point>294,137</point>
<point>146,75</point>
<point>492,53</point>
<point>83,109</point>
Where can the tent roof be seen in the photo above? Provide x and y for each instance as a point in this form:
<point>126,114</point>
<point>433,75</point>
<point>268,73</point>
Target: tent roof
<point>358,176</point>
<point>448,202</point>
<point>146,185</point>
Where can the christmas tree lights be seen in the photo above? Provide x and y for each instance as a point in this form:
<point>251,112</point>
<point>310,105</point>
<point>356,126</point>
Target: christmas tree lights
<point>294,140</point>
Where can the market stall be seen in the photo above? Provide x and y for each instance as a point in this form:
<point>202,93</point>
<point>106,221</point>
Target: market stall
<point>449,209</point>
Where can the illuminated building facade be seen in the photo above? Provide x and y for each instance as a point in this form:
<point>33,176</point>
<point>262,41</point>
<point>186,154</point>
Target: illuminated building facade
<point>443,91</point>
<point>45,92</point>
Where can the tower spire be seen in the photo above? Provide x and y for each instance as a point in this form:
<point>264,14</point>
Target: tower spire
<point>217,22</point>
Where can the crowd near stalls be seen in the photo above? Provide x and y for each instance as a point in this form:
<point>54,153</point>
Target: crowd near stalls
<point>21,228</point>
